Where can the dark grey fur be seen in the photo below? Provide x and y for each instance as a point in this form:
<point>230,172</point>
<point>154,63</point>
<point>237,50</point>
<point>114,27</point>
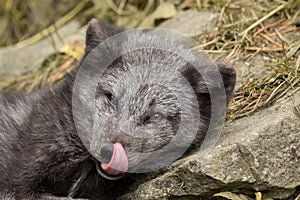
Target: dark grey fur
<point>40,150</point>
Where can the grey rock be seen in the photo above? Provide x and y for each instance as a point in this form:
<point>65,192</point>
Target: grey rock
<point>191,22</point>
<point>18,59</point>
<point>256,153</point>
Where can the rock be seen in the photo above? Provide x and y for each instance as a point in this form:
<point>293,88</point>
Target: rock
<point>164,11</point>
<point>256,153</point>
<point>191,22</point>
<point>18,59</point>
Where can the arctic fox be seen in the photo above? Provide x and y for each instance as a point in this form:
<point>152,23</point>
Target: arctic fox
<point>44,155</point>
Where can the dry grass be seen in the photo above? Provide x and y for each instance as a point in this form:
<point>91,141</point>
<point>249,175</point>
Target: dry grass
<point>268,33</point>
<point>52,71</point>
<point>21,20</point>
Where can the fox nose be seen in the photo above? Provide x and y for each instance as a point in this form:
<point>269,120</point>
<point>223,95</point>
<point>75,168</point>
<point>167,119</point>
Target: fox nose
<point>106,153</point>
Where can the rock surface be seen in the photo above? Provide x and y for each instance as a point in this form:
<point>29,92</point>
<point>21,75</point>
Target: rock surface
<point>191,22</point>
<point>18,59</point>
<point>256,153</point>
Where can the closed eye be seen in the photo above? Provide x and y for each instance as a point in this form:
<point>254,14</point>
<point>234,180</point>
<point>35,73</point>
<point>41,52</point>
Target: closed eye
<point>108,95</point>
<point>111,98</point>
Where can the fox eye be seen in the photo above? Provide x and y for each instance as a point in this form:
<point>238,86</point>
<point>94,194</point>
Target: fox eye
<point>156,117</point>
<point>112,99</point>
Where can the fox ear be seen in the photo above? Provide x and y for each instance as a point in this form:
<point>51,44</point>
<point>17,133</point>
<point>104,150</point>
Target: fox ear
<point>226,71</point>
<point>98,31</point>
<point>202,92</point>
<point>229,78</point>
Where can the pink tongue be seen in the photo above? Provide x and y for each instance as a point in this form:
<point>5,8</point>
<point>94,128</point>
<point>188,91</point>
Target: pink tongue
<point>118,163</point>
